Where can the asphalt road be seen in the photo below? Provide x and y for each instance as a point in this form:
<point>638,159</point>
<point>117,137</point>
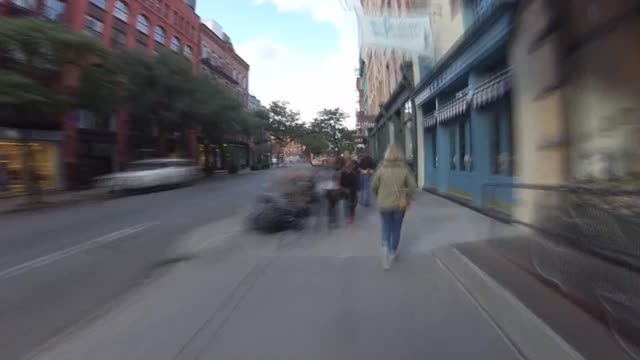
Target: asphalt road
<point>60,266</point>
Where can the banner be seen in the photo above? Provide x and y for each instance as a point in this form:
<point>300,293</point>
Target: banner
<point>403,34</point>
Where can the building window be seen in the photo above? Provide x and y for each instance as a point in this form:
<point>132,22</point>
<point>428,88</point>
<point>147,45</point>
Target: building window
<point>93,27</point>
<point>460,146</point>
<point>142,24</point>
<point>453,150</point>
<point>118,39</point>
<point>465,164</point>
<point>141,45</point>
<point>102,4</point>
<point>175,44</point>
<point>205,51</point>
<point>121,11</point>
<point>159,34</point>
<point>502,141</point>
<point>434,148</point>
<point>54,10</point>
<point>166,11</point>
<point>188,52</point>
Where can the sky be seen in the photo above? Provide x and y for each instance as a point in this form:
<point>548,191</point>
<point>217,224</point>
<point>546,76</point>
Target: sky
<point>301,51</point>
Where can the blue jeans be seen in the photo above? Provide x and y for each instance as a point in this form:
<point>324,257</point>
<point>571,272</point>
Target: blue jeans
<point>365,192</point>
<point>391,227</point>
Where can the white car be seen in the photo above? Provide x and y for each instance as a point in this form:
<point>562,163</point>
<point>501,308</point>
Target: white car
<point>151,174</point>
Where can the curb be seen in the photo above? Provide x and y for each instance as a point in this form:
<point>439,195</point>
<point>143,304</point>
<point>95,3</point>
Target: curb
<point>44,205</point>
<point>528,335</point>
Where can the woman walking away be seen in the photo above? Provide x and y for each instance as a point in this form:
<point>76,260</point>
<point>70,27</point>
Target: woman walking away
<point>349,183</point>
<point>394,186</point>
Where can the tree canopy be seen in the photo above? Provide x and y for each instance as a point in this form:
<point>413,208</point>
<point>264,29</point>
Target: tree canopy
<point>49,68</point>
<point>329,123</point>
<point>39,64</point>
<point>284,123</point>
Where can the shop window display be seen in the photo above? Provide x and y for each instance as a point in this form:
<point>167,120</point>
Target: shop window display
<point>43,166</point>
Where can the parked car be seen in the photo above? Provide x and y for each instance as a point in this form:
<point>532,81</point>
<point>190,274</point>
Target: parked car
<point>151,174</point>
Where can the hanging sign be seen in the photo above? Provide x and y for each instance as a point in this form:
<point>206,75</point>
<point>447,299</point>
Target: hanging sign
<point>404,34</point>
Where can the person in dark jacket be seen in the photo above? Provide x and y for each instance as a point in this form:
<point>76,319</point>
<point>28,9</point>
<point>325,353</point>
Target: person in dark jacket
<point>366,168</point>
<point>349,184</point>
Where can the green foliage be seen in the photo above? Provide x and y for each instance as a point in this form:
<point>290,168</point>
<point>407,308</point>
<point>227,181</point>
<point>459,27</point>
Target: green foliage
<point>315,143</point>
<point>157,88</point>
<point>283,123</point>
<point>99,88</point>
<point>35,57</point>
<point>329,124</point>
<point>162,91</point>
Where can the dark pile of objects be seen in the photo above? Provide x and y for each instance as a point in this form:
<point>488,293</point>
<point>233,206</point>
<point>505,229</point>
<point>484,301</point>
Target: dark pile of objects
<point>286,206</point>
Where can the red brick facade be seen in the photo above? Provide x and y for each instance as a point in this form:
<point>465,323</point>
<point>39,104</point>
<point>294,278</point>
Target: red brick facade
<point>145,24</point>
<point>221,62</point>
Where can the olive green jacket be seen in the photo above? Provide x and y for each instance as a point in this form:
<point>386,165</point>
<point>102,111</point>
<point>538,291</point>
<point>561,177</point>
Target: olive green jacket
<point>390,179</point>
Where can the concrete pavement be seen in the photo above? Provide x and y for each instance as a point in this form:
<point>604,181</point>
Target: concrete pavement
<point>319,294</point>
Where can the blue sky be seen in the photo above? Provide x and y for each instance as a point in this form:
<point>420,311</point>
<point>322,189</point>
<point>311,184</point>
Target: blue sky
<point>301,51</point>
<point>247,19</point>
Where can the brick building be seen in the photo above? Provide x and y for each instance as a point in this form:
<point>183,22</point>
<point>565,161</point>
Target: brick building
<point>79,146</point>
<point>220,60</point>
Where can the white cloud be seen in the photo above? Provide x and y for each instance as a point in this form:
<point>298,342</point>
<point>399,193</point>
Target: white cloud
<point>307,81</point>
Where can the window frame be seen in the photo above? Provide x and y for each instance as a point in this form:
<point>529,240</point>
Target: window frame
<point>501,137</point>
<point>93,31</point>
<point>159,31</point>
<point>175,41</point>
<point>434,148</point>
<point>187,51</point>
<point>102,4</point>
<point>142,24</point>
<point>121,12</point>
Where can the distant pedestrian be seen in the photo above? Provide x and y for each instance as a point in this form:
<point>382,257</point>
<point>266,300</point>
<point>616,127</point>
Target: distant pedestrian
<point>366,168</point>
<point>331,192</point>
<point>394,185</point>
<point>349,184</point>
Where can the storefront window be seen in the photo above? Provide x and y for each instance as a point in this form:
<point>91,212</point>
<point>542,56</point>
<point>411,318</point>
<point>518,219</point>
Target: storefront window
<point>407,118</point>
<point>43,167</point>
<point>502,141</point>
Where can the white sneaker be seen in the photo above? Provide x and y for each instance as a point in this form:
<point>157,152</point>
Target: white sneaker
<point>392,257</point>
<point>386,262</point>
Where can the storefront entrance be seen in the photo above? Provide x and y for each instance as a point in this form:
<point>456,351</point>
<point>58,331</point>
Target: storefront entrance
<point>45,169</point>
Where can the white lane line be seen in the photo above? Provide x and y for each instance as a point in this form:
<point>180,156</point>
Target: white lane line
<point>29,265</point>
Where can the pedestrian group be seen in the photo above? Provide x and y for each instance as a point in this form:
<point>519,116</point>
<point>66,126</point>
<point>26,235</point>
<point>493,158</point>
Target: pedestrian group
<point>391,182</point>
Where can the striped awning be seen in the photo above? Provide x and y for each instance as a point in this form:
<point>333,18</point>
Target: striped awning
<point>453,109</point>
<point>430,120</point>
<point>493,89</point>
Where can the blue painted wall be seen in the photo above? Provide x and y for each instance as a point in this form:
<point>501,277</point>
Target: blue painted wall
<point>479,135</point>
<point>431,170</point>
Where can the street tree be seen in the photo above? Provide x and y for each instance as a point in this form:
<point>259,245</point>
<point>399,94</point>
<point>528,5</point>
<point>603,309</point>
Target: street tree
<point>329,123</point>
<point>43,66</point>
<point>159,89</point>
<point>314,143</point>
<point>284,123</point>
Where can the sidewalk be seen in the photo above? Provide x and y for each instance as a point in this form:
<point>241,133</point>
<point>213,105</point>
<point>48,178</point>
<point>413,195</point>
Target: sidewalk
<point>321,294</point>
<point>60,198</point>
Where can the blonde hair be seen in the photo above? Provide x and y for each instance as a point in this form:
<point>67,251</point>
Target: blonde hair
<point>393,153</point>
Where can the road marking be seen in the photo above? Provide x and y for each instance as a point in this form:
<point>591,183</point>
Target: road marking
<point>103,240</point>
